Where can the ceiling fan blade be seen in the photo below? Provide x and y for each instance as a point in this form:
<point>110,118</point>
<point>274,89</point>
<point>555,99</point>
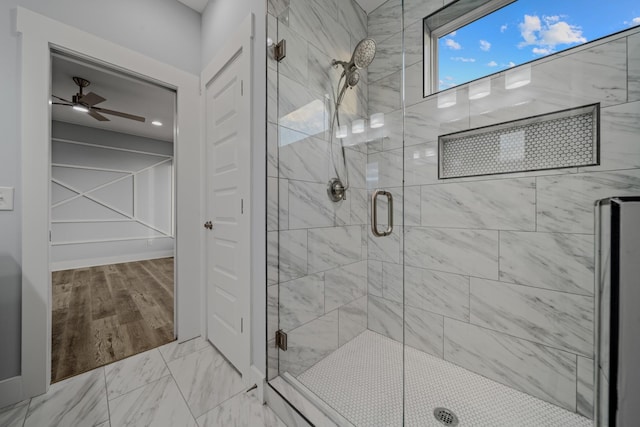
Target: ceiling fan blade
<point>62,99</point>
<point>62,103</point>
<point>119,114</point>
<point>92,99</point>
<point>98,116</point>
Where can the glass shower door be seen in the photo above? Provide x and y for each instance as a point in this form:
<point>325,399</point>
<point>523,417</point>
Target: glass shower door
<point>335,276</point>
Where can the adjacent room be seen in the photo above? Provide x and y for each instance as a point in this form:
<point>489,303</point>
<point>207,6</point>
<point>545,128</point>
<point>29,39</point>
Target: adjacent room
<point>112,216</point>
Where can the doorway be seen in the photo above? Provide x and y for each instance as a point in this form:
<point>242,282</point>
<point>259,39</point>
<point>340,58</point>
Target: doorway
<point>112,227</point>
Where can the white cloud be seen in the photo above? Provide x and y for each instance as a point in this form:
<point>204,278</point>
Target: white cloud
<point>541,51</point>
<point>452,44</point>
<point>503,28</point>
<point>492,64</point>
<point>545,36</point>
<point>450,78</point>
<point>485,45</point>
<point>528,29</point>
<point>512,64</point>
<point>462,59</point>
<point>452,33</point>
<point>551,19</point>
<point>636,21</point>
<point>562,33</point>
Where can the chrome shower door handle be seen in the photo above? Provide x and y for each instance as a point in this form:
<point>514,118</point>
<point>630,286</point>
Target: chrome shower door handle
<point>374,213</point>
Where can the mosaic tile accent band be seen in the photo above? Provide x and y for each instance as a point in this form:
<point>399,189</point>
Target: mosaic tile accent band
<point>561,139</point>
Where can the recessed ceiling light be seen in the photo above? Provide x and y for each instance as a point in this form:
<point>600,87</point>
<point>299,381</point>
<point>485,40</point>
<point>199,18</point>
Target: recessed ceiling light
<point>156,123</point>
<point>81,108</point>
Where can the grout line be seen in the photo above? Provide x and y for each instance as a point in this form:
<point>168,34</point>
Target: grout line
<point>28,405</point>
<point>137,388</point>
<point>577,381</point>
<point>499,262</point>
<point>535,205</point>
<point>182,395</point>
<point>106,392</point>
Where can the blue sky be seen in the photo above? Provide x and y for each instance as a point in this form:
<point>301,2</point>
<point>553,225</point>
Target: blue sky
<point>527,30</point>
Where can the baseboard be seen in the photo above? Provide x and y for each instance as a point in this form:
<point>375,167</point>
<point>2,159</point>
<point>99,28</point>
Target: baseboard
<point>82,263</point>
<point>10,391</point>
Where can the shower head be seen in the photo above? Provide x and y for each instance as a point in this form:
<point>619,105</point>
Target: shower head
<point>364,53</point>
<point>353,78</point>
<point>362,56</point>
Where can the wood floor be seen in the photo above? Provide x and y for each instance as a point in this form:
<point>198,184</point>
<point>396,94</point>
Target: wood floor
<point>106,313</point>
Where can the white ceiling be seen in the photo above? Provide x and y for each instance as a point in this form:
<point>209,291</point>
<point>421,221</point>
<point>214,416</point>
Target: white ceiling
<point>123,93</point>
<point>370,5</point>
<point>197,5</point>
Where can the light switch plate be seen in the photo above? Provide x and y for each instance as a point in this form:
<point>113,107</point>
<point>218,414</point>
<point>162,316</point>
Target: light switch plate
<point>6,198</point>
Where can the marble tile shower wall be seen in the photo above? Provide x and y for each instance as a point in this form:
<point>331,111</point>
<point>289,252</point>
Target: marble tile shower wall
<point>499,270</point>
<point>317,285</point>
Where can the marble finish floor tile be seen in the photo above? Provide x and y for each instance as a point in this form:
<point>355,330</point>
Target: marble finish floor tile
<point>242,410</point>
<point>205,379</point>
<point>78,401</point>
<point>133,372</point>
<point>158,404</point>
<point>14,415</point>
<point>141,391</point>
<point>175,349</point>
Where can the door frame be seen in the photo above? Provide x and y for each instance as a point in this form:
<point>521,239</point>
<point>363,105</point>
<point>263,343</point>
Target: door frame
<point>39,34</point>
<point>240,41</point>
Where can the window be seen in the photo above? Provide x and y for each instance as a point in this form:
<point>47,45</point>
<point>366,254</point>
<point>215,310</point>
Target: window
<point>472,39</point>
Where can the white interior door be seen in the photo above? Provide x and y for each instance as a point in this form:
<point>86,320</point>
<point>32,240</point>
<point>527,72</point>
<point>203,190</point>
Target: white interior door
<point>228,190</point>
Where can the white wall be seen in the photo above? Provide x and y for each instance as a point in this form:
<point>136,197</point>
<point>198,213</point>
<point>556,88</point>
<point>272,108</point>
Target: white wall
<point>219,21</point>
<point>162,29</point>
<point>100,227</point>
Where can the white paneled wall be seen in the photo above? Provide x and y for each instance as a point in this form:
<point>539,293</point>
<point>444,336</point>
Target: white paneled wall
<point>111,197</point>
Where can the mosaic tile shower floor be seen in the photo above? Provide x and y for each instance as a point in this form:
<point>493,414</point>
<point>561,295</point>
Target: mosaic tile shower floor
<point>363,381</point>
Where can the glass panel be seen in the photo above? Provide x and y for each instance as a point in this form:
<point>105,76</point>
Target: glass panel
<point>499,270</point>
<point>334,137</point>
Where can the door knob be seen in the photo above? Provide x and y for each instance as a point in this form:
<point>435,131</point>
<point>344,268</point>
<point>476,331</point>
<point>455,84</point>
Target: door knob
<point>208,225</point>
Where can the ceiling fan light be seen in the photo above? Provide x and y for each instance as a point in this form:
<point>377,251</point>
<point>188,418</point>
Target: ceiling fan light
<point>81,108</point>
<point>156,123</point>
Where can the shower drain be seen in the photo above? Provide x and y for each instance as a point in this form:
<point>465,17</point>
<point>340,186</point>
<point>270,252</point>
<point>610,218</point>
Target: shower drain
<point>445,416</point>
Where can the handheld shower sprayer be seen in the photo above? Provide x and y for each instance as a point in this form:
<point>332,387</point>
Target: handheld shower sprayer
<point>361,58</point>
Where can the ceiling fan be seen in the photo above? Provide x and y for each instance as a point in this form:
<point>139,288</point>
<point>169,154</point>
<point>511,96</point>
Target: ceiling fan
<point>86,103</point>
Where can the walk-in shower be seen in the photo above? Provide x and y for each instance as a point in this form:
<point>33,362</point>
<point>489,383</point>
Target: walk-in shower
<point>476,305</point>
<point>362,57</point>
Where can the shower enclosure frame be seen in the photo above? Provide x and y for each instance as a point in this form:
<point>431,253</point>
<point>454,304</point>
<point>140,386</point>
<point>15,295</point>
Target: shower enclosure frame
<point>296,190</point>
